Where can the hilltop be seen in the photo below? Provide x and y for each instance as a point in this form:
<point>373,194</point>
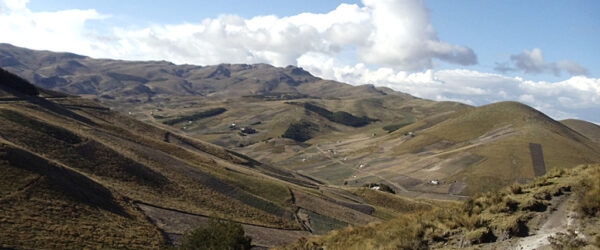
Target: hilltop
<point>141,81</point>
<point>587,129</point>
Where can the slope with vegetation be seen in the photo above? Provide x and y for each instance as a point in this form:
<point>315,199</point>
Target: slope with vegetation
<point>503,219</point>
<point>276,174</point>
<point>89,168</point>
<point>500,134</point>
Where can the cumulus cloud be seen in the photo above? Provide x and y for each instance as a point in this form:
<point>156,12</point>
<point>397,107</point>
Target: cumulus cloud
<point>391,33</point>
<point>388,39</point>
<point>576,97</point>
<point>61,30</point>
<point>402,36</point>
<point>532,62</point>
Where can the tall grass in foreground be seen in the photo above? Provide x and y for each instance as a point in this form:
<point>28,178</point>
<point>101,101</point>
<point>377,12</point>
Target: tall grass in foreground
<point>486,217</point>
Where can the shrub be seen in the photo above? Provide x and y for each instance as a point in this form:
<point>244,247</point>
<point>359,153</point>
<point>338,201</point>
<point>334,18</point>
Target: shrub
<point>469,222</point>
<point>382,187</point>
<point>543,195</point>
<point>218,234</point>
<point>300,131</point>
<point>516,189</point>
<point>507,205</point>
<point>590,195</point>
<point>515,226</point>
<point>480,235</point>
<point>535,205</point>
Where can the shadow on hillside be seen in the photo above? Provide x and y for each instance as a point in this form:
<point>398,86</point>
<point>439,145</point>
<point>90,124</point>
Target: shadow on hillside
<point>67,182</point>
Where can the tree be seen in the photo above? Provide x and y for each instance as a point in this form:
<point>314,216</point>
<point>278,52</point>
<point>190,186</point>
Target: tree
<point>218,234</point>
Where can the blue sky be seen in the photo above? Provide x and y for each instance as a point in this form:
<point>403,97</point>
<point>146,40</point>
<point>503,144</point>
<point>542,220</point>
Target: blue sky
<point>494,29</point>
<point>540,52</point>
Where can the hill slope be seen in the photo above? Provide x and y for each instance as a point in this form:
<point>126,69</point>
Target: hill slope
<point>557,211</point>
<point>80,159</point>
<point>587,129</point>
<point>334,128</point>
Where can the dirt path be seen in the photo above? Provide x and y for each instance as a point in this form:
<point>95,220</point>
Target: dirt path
<point>559,220</point>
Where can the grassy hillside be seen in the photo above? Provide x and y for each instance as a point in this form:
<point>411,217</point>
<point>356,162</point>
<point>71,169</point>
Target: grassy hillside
<point>99,165</point>
<point>44,205</point>
<point>501,133</point>
<point>505,219</point>
<point>587,129</point>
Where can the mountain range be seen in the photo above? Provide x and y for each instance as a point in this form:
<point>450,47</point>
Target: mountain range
<point>147,145</point>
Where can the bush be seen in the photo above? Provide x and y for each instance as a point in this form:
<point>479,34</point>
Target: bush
<point>535,205</point>
<point>480,235</point>
<point>382,187</point>
<point>590,195</point>
<point>218,234</point>
<point>300,131</point>
<point>516,189</point>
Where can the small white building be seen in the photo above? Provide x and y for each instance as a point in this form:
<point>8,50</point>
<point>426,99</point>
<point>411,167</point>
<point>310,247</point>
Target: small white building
<point>435,182</point>
<point>376,188</point>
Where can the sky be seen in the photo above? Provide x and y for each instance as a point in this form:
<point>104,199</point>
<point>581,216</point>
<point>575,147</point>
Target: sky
<point>543,53</point>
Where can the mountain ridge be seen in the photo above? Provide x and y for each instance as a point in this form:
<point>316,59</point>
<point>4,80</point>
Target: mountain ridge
<point>76,74</point>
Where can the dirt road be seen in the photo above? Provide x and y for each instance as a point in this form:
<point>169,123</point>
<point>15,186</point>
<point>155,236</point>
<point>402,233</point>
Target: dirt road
<point>559,221</point>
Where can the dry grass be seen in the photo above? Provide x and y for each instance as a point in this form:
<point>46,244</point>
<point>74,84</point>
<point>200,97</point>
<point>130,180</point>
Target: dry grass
<point>46,206</point>
<point>478,220</point>
<point>393,202</point>
<point>507,156</point>
<point>125,160</point>
<point>590,194</point>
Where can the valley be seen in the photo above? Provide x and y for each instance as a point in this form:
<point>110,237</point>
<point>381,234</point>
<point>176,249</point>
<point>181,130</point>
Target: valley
<point>151,150</point>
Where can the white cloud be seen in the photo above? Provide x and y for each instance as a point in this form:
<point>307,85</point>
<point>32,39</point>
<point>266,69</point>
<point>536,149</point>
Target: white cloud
<point>387,39</point>
<point>402,36</point>
<point>576,97</point>
<point>62,30</point>
<point>395,34</point>
<point>14,5</point>
<point>532,62</point>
